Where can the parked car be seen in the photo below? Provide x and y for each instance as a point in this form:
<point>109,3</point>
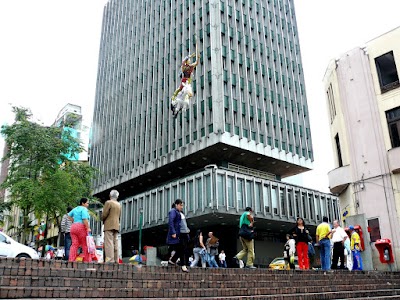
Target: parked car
<point>11,248</point>
<point>279,264</point>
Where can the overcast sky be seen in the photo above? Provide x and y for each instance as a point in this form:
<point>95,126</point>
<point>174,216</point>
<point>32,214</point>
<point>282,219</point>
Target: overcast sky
<point>49,53</point>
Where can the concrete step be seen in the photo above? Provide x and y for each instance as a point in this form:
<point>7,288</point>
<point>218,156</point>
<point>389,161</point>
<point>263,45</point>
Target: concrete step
<point>342,295</point>
<point>160,273</point>
<point>83,292</point>
<point>40,279</point>
<point>88,282</point>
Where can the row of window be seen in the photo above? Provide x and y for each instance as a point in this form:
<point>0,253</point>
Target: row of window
<point>232,190</point>
<point>169,137</point>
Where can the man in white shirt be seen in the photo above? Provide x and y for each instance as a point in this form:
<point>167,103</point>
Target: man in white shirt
<point>338,238</point>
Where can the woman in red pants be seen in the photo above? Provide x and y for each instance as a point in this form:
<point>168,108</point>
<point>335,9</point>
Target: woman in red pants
<point>79,230</point>
<point>301,235</point>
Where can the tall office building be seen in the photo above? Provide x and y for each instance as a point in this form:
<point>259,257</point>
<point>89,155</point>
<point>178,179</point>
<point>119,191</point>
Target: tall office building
<point>246,129</point>
<point>363,96</point>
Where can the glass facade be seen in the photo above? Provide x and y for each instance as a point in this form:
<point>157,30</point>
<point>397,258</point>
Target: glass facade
<point>258,193</point>
<point>141,49</point>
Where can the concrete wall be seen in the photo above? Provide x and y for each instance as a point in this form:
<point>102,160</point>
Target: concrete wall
<point>362,127</point>
<point>387,101</point>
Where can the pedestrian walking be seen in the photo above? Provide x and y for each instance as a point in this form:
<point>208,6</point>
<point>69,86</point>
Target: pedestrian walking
<point>66,231</point>
<point>178,235</point>
<point>246,223</point>
<point>199,250</point>
<point>212,249</point>
<point>339,236</point>
<point>111,219</point>
<point>302,236</point>
<point>323,239</point>
<point>80,229</point>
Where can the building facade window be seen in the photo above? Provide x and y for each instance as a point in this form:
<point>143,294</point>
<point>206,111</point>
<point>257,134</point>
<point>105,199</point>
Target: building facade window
<point>375,233</point>
<point>393,120</point>
<point>387,72</point>
<point>331,102</point>
<point>338,150</point>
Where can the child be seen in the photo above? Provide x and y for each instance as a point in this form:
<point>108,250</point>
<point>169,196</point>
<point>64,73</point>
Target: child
<point>288,252</point>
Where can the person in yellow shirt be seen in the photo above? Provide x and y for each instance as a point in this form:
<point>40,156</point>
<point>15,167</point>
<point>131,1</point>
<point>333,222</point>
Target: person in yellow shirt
<point>355,246</point>
<point>322,238</point>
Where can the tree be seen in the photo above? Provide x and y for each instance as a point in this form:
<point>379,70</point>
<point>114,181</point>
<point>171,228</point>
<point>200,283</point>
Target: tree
<point>42,180</point>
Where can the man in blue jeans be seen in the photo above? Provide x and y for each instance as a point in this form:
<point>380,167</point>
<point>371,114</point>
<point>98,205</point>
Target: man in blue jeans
<point>322,237</point>
<point>65,229</point>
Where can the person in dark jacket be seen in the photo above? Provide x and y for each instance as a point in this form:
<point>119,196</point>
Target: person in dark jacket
<point>301,235</point>
<point>178,235</point>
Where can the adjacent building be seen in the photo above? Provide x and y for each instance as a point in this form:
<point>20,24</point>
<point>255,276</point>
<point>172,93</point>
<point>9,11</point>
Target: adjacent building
<point>363,96</point>
<point>70,118</point>
<point>247,127</point>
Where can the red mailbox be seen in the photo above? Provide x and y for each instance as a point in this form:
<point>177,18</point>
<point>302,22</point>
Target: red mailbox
<point>384,247</point>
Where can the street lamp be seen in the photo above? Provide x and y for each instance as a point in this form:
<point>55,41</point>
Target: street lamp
<point>140,234</point>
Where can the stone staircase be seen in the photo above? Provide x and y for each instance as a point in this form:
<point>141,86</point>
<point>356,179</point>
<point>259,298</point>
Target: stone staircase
<point>40,279</point>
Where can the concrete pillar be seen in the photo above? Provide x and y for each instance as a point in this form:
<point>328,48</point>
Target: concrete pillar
<point>151,254</point>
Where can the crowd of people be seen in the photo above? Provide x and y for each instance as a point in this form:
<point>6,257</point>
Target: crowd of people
<point>178,240</point>
<point>338,249</point>
<point>75,227</point>
<point>338,246</point>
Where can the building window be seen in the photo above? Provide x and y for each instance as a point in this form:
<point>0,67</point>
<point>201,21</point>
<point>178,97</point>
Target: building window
<point>220,188</point>
<point>375,232</point>
<point>274,200</point>
<point>231,202</point>
<point>387,72</point>
<point>331,100</point>
<point>338,151</point>
<point>240,193</point>
<point>393,119</point>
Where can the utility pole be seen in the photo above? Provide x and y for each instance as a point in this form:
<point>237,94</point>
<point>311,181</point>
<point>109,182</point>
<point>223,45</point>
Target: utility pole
<point>140,234</point>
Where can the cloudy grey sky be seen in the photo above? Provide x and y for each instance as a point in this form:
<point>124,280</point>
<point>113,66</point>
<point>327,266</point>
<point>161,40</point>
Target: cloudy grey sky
<point>49,52</point>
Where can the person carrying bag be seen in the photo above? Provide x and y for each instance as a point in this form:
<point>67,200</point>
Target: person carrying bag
<point>246,236</point>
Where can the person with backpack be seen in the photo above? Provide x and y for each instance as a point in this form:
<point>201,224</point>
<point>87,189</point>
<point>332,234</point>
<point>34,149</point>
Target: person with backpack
<point>289,251</point>
<point>246,236</point>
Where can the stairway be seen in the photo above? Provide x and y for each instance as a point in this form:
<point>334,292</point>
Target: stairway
<point>41,279</point>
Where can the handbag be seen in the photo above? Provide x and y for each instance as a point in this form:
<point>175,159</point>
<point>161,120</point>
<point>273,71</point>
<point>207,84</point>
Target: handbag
<point>311,250</point>
<point>91,246</point>
<point>246,232</point>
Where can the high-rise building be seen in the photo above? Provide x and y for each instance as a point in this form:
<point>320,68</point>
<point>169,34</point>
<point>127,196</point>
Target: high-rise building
<point>363,95</point>
<point>246,129</point>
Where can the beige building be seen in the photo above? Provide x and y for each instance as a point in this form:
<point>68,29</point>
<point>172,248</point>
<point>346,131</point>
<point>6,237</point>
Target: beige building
<point>363,96</point>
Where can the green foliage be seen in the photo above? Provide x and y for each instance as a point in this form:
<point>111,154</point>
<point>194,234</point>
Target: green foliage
<point>41,178</point>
